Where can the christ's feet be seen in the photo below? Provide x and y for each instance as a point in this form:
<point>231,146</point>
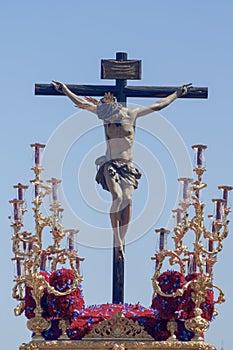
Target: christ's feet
<point>120,254</point>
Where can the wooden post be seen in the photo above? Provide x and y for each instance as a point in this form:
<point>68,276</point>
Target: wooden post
<point>118,277</point>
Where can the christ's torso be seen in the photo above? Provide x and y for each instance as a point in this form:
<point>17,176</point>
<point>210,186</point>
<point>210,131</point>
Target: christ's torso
<point>119,138</point>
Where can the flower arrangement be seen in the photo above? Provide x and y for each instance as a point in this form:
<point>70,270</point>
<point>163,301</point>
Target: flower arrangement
<point>52,305</point>
<point>169,308</point>
<point>83,318</point>
<point>64,306</point>
<point>180,307</point>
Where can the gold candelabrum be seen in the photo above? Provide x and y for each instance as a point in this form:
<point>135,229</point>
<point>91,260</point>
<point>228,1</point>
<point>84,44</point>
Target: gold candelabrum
<point>202,256</point>
<point>31,256</point>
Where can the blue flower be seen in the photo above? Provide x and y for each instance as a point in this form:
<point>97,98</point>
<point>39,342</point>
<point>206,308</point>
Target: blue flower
<point>90,321</point>
<point>52,303</point>
<point>205,306</point>
<point>71,332</point>
<point>181,300</point>
<point>156,312</point>
<point>75,314</point>
<point>164,304</point>
<point>157,327</point>
<point>185,335</point>
<point>57,312</point>
<point>29,308</point>
<point>126,310</point>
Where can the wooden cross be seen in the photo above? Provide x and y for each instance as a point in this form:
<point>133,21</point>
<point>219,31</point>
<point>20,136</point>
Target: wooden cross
<point>121,69</point>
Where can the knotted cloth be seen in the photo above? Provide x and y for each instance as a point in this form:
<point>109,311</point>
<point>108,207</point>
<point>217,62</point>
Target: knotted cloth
<point>120,171</point>
<point>107,110</point>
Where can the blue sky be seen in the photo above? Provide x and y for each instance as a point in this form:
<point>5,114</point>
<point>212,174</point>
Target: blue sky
<point>178,42</point>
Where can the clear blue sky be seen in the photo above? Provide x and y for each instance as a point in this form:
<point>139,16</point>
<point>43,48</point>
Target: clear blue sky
<point>178,42</point>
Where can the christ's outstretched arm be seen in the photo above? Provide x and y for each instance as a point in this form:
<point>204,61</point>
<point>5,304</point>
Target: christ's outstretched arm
<point>84,103</point>
<point>164,102</point>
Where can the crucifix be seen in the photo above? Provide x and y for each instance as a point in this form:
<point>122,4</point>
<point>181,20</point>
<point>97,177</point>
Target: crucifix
<point>116,171</point>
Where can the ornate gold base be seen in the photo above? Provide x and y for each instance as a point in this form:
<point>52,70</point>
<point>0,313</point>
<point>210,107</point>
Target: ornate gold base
<point>117,344</point>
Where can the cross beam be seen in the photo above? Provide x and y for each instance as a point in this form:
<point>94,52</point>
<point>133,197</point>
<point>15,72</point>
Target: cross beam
<point>121,69</point>
<point>128,91</point>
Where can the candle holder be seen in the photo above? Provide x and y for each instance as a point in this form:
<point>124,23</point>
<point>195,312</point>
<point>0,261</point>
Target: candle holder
<point>196,262</point>
<point>177,215</point>
<point>199,153</point>
<point>185,181</point>
<point>225,194</point>
<point>31,255</point>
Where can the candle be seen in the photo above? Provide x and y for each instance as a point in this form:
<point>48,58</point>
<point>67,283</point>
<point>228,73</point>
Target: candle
<point>207,266</point>
<point>189,264</point>
<point>225,190</point>
<point>225,196</point>
<point>18,267</point>
<point>218,210</point>
<point>20,193</point>
<point>211,241</point>
<point>162,232</point>
<point>21,189</point>
<point>210,245</point>
<point>37,155</point>
<point>36,190</point>
<point>156,262</point>
<point>29,246</point>
<point>24,246</point>
<point>54,191</point>
<point>199,154</point>
<point>16,210</point>
<point>178,216</point>
<point>178,212</point>
<point>210,249</point>
<point>199,157</point>
<point>37,147</point>
<point>161,239</point>
<point>49,262</point>
<point>192,265</point>
<point>24,243</point>
<point>71,241</point>
<point>43,261</point>
<point>186,191</point>
<point>54,182</point>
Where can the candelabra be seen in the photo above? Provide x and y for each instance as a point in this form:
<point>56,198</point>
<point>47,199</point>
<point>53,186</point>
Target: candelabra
<point>31,256</point>
<point>199,260</point>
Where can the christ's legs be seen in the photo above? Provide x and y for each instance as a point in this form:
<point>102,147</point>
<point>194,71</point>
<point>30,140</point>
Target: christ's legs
<point>117,199</point>
<point>126,210</point>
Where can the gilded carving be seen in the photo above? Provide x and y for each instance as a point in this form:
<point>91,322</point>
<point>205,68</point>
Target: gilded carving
<point>118,327</point>
<point>116,345</point>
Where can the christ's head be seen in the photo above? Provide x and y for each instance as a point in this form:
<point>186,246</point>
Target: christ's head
<point>108,107</point>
